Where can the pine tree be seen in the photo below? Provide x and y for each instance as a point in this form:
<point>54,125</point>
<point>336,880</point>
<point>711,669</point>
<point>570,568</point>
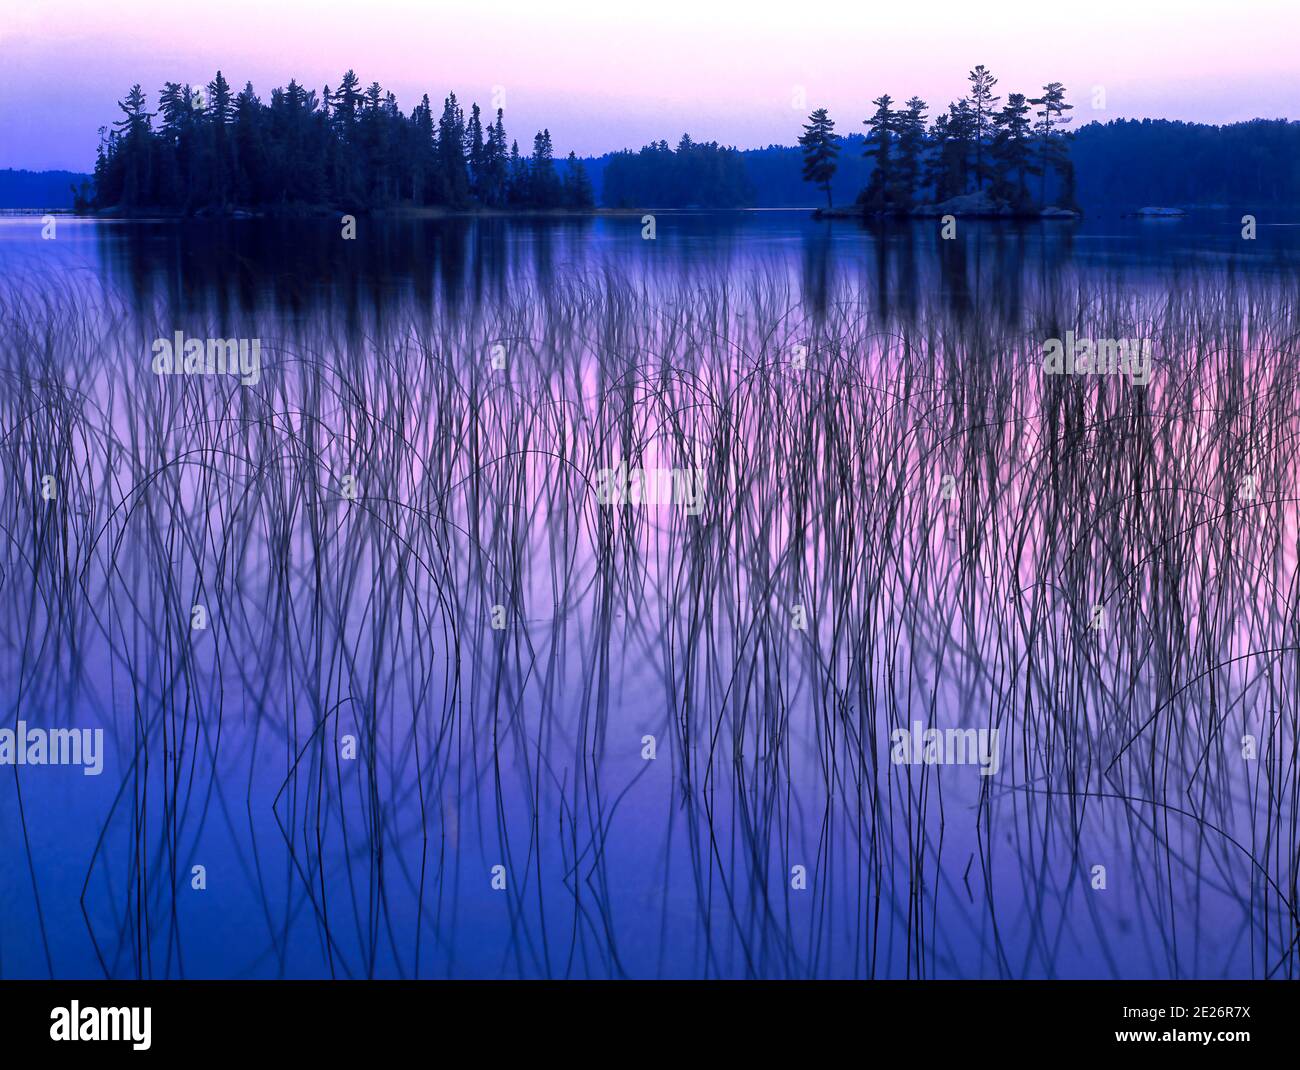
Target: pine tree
<point>821,146</point>
<point>221,109</point>
<point>545,183</point>
<point>173,105</point>
<point>982,105</point>
<point>451,153</point>
<point>346,102</point>
<point>476,152</point>
<point>1054,151</point>
<point>960,146</point>
<point>344,148</point>
<point>498,162</point>
<point>219,115</point>
<point>935,172</point>
<point>578,192</point>
<point>1011,151</point>
<point>134,147</point>
<point>173,115</point>
<point>910,127</point>
<point>880,136</point>
<point>518,183</point>
<point>424,182</point>
<point>250,150</point>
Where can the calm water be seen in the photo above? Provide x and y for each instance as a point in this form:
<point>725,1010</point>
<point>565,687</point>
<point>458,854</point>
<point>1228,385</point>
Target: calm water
<point>431,650</point>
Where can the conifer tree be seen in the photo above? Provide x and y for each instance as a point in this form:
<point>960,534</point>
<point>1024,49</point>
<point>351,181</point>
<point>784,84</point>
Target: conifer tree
<point>910,127</point>
<point>578,192</point>
<point>346,148</point>
<point>347,102</point>
<point>518,183</point>
<point>424,183</point>
<point>982,105</point>
<point>219,115</point>
<point>497,165</point>
<point>821,146</point>
<point>880,136</point>
<point>476,154</point>
<point>1054,153</point>
<point>132,133</point>
<point>545,184</point>
<point>451,153</point>
<point>250,152</point>
<point>1011,150</point>
<point>960,146</point>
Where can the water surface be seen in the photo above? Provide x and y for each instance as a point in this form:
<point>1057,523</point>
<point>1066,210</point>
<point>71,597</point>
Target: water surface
<point>903,522</point>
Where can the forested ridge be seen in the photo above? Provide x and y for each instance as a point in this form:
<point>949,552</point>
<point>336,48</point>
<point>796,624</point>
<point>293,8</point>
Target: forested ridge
<point>1163,161</point>
<point>211,148</point>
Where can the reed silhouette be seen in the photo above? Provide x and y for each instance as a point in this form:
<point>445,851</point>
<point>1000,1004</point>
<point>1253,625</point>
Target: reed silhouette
<point>904,521</point>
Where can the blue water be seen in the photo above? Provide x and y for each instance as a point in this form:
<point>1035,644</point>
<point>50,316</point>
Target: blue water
<point>771,835</point>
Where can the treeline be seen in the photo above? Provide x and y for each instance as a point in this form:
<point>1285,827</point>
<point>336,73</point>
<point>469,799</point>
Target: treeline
<point>1117,166</point>
<point>39,189</point>
<point>214,149</point>
<point>1014,152</point>
<point>210,149</point>
<point>1130,163</point>
<point>697,174</point>
<point>775,172</point>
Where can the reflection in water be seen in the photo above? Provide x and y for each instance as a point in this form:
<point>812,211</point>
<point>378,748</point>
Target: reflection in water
<point>450,715</point>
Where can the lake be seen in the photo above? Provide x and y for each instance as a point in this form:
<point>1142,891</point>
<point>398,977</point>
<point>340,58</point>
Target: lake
<point>542,600</point>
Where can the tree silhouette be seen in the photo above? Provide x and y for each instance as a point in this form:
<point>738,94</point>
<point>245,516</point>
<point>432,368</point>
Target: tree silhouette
<point>910,127</point>
<point>496,165</point>
<point>821,146</point>
<point>476,153</point>
<point>518,182</point>
<point>973,145</point>
<point>219,115</point>
<point>578,192</point>
<point>215,150</point>
<point>1011,150</point>
<point>957,149</point>
<point>880,136</point>
<point>134,132</point>
<point>544,184</point>
<point>699,174</point>
<point>1053,146</point>
<point>982,104</point>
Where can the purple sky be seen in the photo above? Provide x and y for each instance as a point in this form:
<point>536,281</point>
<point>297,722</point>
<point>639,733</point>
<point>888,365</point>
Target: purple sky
<point>620,73</point>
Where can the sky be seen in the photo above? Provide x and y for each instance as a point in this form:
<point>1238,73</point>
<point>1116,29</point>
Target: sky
<point>604,76</point>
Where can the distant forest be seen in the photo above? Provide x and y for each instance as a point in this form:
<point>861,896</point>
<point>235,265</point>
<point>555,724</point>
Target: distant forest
<point>695,174</point>
<point>38,189</point>
<point>214,149</point>
<point>1131,162</point>
<point>1118,166</point>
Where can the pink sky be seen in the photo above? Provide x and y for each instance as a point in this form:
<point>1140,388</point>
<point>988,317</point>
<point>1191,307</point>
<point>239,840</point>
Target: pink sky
<point>609,75</point>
